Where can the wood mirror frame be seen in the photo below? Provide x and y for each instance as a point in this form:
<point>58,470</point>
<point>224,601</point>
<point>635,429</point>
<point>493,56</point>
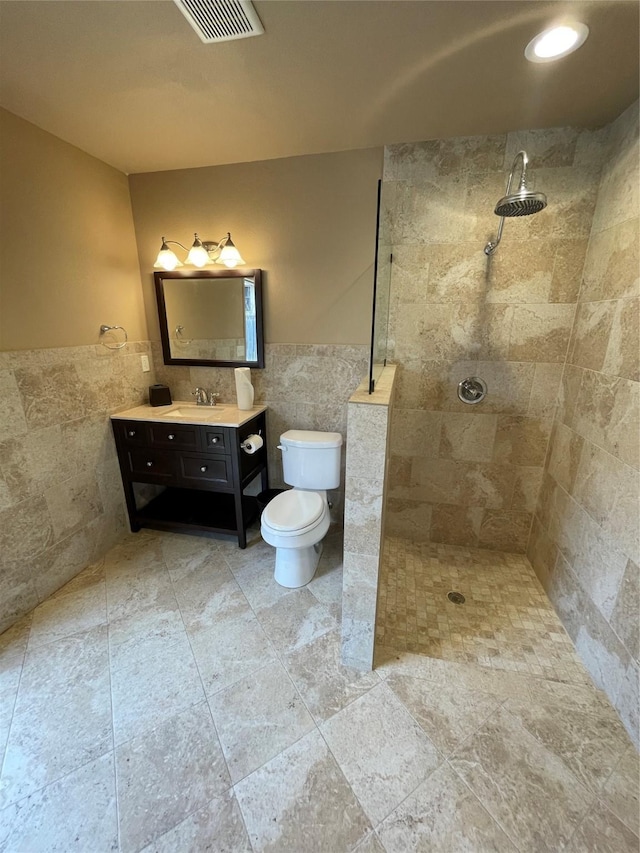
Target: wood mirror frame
<point>250,312</point>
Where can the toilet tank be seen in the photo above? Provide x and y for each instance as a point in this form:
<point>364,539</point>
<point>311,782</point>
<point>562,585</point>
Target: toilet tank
<point>311,460</point>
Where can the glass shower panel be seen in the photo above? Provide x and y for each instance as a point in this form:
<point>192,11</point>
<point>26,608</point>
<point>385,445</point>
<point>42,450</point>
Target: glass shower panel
<point>381,289</point>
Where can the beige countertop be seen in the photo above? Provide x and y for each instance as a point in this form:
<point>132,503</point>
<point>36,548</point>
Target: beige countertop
<point>224,414</point>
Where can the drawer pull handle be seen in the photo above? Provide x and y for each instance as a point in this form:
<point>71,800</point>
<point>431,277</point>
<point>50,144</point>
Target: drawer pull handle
<point>149,464</point>
<point>132,432</point>
<point>215,439</point>
<point>203,468</point>
<point>171,436</point>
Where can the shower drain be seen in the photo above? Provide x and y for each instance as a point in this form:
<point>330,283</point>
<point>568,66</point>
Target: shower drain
<point>456,597</point>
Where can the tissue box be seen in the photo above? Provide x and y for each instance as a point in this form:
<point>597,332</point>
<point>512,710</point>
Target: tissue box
<point>159,395</point>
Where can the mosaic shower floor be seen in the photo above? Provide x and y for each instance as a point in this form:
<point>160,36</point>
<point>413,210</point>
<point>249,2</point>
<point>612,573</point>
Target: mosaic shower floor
<point>506,621</point>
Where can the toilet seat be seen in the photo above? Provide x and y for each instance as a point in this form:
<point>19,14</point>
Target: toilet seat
<point>294,512</point>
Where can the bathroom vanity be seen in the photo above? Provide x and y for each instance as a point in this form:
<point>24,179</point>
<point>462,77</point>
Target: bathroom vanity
<point>196,453</point>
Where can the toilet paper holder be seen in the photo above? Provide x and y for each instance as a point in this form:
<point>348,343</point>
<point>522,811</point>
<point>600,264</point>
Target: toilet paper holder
<point>246,444</point>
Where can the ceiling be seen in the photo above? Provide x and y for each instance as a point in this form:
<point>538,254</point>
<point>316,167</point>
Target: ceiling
<point>130,82</point>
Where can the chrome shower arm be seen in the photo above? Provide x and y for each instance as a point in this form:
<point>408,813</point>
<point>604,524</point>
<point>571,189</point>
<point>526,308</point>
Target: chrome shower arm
<point>492,245</point>
<point>522,155</point>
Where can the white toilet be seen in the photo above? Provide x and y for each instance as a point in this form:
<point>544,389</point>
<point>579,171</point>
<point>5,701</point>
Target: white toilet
<point>296,521</point>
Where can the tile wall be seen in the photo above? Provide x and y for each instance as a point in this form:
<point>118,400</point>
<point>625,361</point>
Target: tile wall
<point>61,501</point>
<point>470,475</point>
<point>585,542</point>
<point>369,417</point>
<point>305,386</point>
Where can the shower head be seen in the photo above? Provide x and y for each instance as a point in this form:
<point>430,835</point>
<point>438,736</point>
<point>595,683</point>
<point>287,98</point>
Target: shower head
<point>524,202</point>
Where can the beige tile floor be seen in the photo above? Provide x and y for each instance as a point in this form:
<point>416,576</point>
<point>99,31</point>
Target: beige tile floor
<point>173,698</point>
<point>506,622</point>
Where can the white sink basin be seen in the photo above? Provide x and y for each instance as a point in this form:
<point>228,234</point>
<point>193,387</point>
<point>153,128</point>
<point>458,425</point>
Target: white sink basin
<point>197,413</point>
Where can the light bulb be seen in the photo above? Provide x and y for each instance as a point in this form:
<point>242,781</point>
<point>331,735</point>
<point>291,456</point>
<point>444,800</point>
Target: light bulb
<point>198,255</point>
<point>229,255</point>
<point>556,42</point>
<point>167,260</point>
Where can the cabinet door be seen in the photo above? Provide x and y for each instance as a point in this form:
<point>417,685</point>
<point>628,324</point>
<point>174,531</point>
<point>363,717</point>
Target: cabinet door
<point>201,472</point>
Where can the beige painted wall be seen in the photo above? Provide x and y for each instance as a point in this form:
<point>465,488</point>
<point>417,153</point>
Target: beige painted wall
<point>308,222</point>
<point>68,259</point>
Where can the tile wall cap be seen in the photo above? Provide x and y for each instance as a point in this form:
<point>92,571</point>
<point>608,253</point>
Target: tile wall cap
<point>383,392</point>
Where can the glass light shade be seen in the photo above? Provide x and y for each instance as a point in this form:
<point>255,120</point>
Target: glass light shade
<point>167,260</point>
<point>556,42</point>
<point>198,255</point>
<point>229,255</point>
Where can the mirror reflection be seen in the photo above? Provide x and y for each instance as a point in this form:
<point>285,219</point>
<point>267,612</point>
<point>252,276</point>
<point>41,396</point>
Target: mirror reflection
<point>211,317</point>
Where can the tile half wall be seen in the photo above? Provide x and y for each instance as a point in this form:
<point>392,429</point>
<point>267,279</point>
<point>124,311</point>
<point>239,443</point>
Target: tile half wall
<point>61,500</point>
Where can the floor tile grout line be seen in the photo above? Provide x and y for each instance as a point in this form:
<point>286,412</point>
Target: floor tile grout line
<point>13,717</point>
<point>623,821</point>
<point>316,725</point>
<point>33,648</point>
<point>13,714</point>
<point>273,757</point>
<point>202,701</point>
<point>281,656</point>
<point>346,781</point>
<point>583,818</point>
<point>57,780</point>
<point>485,808</point>
<point>438,752</point>
<point>113,730</point>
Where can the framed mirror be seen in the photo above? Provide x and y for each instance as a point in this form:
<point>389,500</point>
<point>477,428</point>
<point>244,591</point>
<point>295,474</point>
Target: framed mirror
<point>211,318</point>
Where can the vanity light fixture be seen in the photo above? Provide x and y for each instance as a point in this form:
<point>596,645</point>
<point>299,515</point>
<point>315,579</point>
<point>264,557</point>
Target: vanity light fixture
<point>202,253</point>
<point>556,42</point>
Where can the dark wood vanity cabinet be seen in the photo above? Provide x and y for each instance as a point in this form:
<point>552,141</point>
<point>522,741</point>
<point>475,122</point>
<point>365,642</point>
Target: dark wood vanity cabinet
<point>204,471</point>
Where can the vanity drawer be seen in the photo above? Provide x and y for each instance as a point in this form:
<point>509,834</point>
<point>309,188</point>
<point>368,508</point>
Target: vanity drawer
<point>132,432</point>
<point>200,471</point>
<point>216,440</point>
<point>174,436</point>
<point>149,466</point>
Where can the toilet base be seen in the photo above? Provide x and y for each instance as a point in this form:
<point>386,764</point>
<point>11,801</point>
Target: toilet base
<point>295,567</point>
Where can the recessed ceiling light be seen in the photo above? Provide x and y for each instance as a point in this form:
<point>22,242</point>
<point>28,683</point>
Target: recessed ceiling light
<point>556,42</point>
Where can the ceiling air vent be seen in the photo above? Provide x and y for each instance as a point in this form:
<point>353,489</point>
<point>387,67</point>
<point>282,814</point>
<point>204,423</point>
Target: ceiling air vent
<point>221,20</point>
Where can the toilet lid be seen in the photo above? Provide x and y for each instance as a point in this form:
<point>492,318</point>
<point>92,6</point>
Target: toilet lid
<point>293,510</point>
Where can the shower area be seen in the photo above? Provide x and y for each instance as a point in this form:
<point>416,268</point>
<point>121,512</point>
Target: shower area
<point>511,518</point>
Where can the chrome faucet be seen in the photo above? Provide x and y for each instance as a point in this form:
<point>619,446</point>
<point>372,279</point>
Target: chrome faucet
<point>204,397</point>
